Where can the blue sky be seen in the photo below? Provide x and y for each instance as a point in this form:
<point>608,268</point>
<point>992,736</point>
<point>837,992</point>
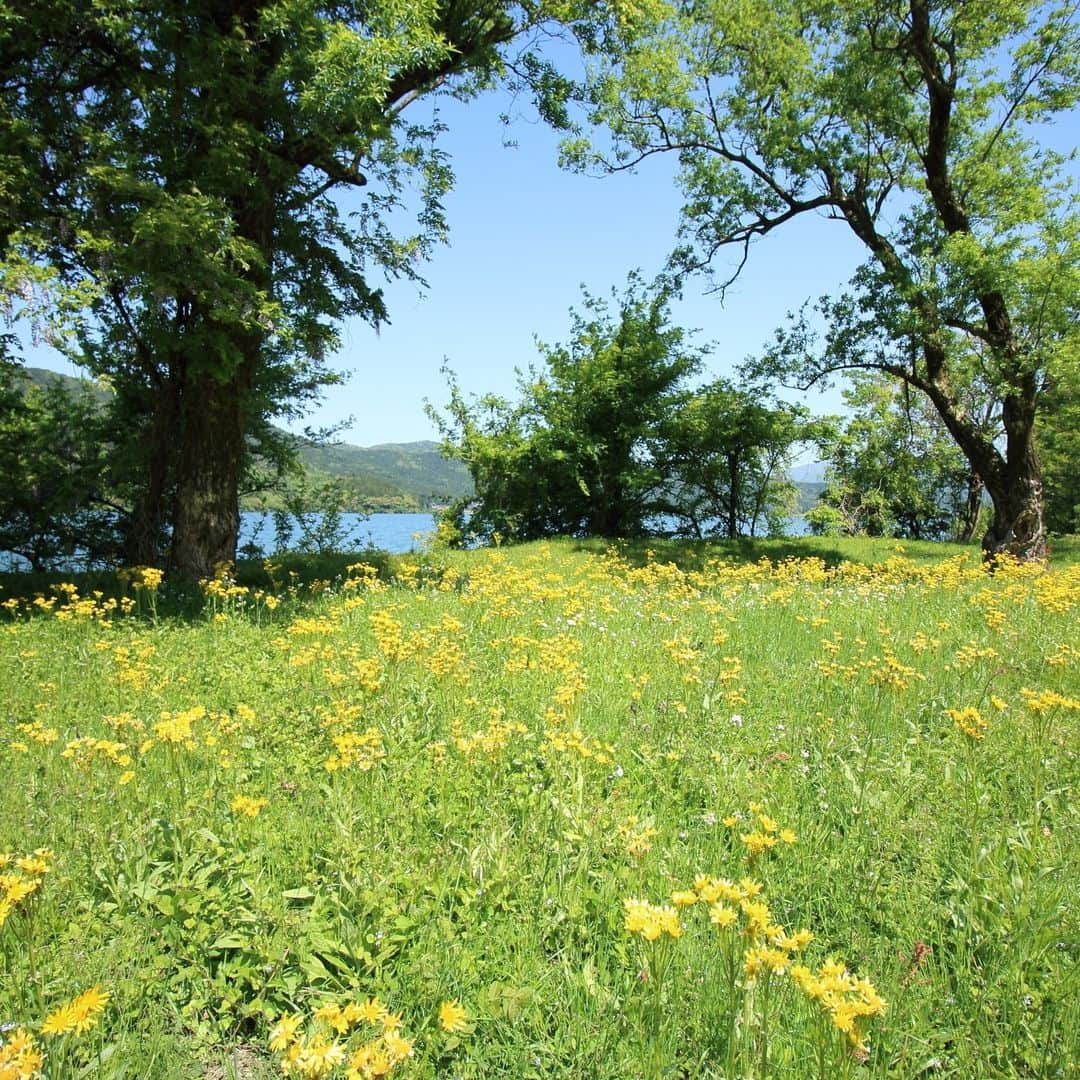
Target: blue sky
<point>525,236</point>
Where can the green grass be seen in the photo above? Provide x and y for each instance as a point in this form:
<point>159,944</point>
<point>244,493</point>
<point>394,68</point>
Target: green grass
<point>526,739</point>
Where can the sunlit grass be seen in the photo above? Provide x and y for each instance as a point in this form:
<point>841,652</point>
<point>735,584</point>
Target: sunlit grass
<point>435,784</point>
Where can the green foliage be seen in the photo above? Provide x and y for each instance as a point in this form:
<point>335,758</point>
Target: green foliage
<point>54,458</point>
<point>608,439</point>
<point>895,471</point>
<point>179,164</point>
<point>915,126</point>
<point>1059,450</point>
<point>579,453</point>
<point>728,450</point>
<point>312,518</point>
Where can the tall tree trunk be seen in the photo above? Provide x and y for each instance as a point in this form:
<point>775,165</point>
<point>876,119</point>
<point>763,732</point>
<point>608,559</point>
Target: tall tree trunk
<point>206,519</point>
<point>145,530</point>
<point>1014,479</point>
<point>214,418</point>
<point>733,497</point>
<point>1017,527</point>
<point>1016,488</point>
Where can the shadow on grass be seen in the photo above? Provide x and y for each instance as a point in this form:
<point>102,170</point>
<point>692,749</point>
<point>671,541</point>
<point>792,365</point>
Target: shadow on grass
<point>691,555</point>
<point>299,572</point>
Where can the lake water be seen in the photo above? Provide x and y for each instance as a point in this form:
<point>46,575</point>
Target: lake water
<point>396,533</point>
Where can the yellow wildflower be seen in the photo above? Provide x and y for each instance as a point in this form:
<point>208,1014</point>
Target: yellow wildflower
<point>283,1033</point>
<point>723,916</point>
<point>453,1017</point>
<point>248,807</point>
<point>79,1015</point>
<point>969,721</point>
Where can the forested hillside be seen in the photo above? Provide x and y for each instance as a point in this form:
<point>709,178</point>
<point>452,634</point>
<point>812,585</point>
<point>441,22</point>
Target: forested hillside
<point>391,476</point>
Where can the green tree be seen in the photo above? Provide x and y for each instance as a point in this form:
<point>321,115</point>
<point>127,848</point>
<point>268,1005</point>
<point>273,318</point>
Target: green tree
<point>1058,435</point>
<point>910,122</point>
<point>578,454</point>
<point>728,450</point>
<point>56,505</point>
<point>895,470</point>
<point>179,162</point>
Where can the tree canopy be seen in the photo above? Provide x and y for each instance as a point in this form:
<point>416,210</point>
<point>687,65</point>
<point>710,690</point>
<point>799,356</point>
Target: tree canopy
<point>173,168</point>
<point>911,123</point>
<point>894,470</point>
<point>727,451</point>
<point>609,437</point>
<point>576,454</point>
<point>54,460</point>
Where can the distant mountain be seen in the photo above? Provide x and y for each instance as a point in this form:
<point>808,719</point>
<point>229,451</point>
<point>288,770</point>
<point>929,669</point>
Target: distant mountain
<point>811,473</point>
<point>809,493</point>
<point>44,378</point>
<point>416,471</point>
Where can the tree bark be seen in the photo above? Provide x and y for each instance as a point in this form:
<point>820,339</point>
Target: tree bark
<point>1017,528</point>
<point>145,531</point>
<point>206,518</point>
<point>1013,479</point>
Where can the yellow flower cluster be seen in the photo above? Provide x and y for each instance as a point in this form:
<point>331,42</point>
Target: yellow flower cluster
<point>637,837</point>
<point>889,672</point>
<point>319,1052</point>
<point>20,1058</point>
<point>767,834</point>
<point>850,1002</point>
<point>39,733</point>
<point>85,750</point>
<point>651,921</point>
<point>1059,592</point>
<point>576,743</point>
<point>1043,701</point>
<point>389,636</point>
<point>490,740</point>
<point>363,576</point>
<point>222,588</point>
<point>178,729</point>
<point>143,577</point>
<point>969,720</point>
<point>356,750</point>
<point>68,604</point>
<point>20,877</point>
<point>728,902</point>
<point>246,806</point>
<point>769,950</point>
<point>133,667</point>
<point>78,1015</point>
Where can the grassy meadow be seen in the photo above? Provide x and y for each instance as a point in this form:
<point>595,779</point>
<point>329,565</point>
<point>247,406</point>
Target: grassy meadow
<point>801,809</point>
